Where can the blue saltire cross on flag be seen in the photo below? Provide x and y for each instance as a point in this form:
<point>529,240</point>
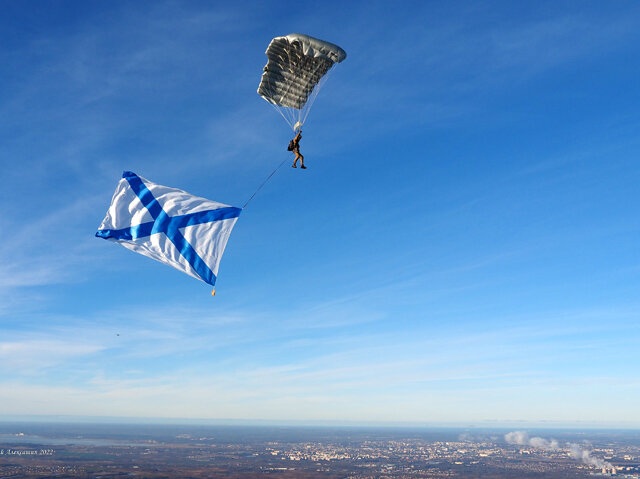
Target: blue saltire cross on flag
<point>169,225</point>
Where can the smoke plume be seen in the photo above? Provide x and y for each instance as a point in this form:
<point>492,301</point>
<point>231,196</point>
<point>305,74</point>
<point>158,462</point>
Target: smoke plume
<point>522,438</point>
<point>575,451</point>
<point>585,456</point>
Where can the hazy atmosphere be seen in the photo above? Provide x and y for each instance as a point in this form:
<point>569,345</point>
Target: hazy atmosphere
<point>462,249</point>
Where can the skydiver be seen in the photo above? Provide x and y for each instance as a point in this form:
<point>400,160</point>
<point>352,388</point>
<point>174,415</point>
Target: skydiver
<point>295,144</point>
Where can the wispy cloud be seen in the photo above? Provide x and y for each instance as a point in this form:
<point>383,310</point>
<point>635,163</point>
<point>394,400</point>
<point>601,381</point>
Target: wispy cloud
<point>44,250</point>
<point>462,61</point>
<point>30,355</point>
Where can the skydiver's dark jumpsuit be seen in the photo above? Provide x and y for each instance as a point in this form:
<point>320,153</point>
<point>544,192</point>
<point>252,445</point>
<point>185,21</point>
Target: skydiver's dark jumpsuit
<point>296,150</point>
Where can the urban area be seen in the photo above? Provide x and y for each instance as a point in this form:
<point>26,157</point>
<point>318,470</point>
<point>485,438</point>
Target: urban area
<point>288,452</point>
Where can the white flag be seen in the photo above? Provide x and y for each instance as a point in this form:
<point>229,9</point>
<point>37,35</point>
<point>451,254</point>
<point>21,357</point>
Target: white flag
<point>169,225</point>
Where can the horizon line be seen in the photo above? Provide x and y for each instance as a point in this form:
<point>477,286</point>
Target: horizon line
<point>482,424</point>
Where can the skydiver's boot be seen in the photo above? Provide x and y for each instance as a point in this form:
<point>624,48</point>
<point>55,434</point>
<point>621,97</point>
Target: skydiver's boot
<point>303,167</point>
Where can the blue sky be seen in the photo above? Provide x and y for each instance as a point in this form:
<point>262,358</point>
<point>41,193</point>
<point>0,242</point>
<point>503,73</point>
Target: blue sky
<point>463,248</point>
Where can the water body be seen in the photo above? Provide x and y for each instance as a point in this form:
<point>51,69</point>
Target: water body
<point>29,439</point>
<point>150,435</point>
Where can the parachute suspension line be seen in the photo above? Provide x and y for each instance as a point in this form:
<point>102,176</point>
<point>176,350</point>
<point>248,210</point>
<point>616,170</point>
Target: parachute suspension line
<point>275,106</point>
<point>303,113</point>
<point>280,109</point>
<point>313,96</point>
<point>264,182</point>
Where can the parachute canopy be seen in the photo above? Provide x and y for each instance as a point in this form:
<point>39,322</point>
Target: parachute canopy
<point>169,225</point>
<point>295,71</point>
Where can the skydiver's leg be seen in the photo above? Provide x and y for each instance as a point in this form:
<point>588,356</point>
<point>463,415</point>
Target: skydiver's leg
<point>296,159</point>
<point>302,162</point>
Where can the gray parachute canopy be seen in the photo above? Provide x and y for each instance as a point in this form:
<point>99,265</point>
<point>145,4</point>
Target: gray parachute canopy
<point>296,67</point>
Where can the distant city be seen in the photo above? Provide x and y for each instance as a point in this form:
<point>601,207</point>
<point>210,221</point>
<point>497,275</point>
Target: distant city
<point>153,451</point>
